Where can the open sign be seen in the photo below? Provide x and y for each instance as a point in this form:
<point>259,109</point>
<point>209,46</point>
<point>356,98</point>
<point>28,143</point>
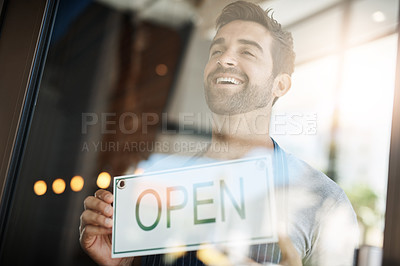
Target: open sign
<point>228,203</point>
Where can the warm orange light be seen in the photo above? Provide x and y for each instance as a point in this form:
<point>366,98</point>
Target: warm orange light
<point>139,171</point>
<point>103,180</point>
<point>77,183</point>
<point>58,186</point>
<point>40,187</point>
<point>210,256</point>
<point>161,69</point>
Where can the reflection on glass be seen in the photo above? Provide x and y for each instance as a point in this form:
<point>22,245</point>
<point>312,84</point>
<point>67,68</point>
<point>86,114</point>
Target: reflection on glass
<point>58,186</point>
<point>211,256</point>
<point>365,104</point>
<point>139,171</point>
<point>77,183</point>
<point>105,76</point>
<point>103,180</point>
<point>40,187</point>
<point>161,70</point>
<point>371,20</point>
<point>378,16</point>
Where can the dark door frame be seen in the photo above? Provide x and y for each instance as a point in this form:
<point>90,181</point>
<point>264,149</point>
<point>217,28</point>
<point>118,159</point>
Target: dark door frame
<point>25,32</point>
<point>391,242</point>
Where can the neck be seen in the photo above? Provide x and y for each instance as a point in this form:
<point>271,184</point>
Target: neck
<point>240,134</point>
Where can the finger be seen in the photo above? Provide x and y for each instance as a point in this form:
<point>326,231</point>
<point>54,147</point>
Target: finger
<point>91,231</point>
<point>98,205</point>
<point>90,217</point>
<point>104,195</point>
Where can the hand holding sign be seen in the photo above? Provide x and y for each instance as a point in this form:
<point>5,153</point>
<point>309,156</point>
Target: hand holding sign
<point>96,227</point>
<point>96,220</point>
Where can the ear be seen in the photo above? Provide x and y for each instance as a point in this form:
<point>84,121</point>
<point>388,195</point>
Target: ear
<point>282,84</point>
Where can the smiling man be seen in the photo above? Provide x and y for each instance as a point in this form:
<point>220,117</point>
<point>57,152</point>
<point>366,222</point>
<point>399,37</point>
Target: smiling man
<point>238,75</point>
<point>250,63</point>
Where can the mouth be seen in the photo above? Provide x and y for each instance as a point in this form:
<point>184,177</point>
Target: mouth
<point>228,80</point>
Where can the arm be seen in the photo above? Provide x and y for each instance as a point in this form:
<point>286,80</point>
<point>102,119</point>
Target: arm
<point>96,228</point>
<point>336,236</point>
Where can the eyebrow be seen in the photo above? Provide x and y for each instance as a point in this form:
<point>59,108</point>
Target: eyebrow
<point>242,41</point>
<point>217,41</point>
<point>252,43</point>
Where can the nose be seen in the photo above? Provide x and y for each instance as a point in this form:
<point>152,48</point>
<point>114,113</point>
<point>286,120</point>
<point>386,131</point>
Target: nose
<point>227,60</point>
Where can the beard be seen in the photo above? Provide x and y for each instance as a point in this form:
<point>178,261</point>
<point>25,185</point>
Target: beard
<point>250,97</point>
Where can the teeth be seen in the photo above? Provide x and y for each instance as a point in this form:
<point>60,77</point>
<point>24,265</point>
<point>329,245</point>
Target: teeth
<point>230,80</point>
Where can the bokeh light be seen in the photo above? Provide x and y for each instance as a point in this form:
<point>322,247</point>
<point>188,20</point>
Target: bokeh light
<point>77,183</point>
<point>103,180</point>
<point>58,186</point>
<point>40,187</point>
<point>378,16</point>
<point>139,171</point>
<point>210,256</point>
<point>161,69</point>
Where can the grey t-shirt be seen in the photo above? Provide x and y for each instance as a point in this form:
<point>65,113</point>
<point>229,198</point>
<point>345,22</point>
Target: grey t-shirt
<point>321,221</point>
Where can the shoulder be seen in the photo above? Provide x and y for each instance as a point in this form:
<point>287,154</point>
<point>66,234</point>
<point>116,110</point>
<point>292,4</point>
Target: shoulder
<point>322,195</point>
<point>318,208</point>
<point>302,175</point>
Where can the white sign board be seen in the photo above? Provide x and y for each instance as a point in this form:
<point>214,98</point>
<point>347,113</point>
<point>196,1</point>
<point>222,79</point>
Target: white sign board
<point>228,203</point>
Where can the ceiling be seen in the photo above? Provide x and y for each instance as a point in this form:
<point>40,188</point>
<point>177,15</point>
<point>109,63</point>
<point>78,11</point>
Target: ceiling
<point>204,12</point>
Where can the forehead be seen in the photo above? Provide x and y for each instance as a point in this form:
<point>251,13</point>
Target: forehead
<point>245,30</point>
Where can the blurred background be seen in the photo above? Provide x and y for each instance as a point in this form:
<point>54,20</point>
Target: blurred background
<point>124,80</point>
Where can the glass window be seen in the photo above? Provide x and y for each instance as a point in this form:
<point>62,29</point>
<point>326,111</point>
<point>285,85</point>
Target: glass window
<point>122,91</point>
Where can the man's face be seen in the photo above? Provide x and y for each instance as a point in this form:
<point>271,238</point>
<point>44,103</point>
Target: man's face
<point>238,76</point>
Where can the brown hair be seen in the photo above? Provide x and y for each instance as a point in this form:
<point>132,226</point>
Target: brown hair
<point>282,46</point>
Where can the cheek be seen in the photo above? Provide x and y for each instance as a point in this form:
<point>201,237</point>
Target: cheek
<point>207,70</point>
<point>205,73</point>
<point>261,74</point>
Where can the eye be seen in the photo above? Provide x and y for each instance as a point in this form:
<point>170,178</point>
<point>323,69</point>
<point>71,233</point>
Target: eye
<point>245,52</point>
<point>215,52</point>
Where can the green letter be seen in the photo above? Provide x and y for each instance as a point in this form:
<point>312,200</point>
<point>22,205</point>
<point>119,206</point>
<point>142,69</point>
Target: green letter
<point>151,227</point>
<point>176,207</point>
<point>241,211</point>
<point>200,202</point>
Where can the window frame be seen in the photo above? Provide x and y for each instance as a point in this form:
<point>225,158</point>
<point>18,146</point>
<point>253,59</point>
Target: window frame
<point>25,32</point>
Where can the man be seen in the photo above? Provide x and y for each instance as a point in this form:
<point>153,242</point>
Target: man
<point>250,62</point>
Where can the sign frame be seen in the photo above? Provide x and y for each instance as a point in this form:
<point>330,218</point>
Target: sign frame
<point>188,247</point>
